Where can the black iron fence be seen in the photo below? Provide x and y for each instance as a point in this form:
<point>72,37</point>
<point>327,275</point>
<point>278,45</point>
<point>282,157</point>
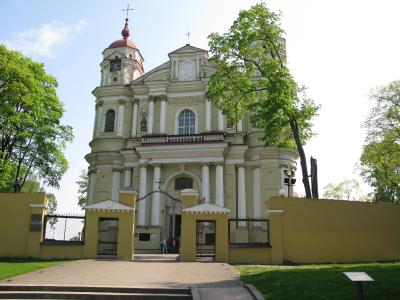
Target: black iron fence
<point>66,229</point>
<point>248,232</point>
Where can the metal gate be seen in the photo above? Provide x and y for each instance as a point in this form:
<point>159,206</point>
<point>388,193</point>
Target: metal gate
<point>205,238</point>
<point>108,237</point>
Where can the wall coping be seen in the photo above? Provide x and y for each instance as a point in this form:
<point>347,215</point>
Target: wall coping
<point>107,206</point>
<point>268,211</point>
<point>38,205</point>
<point>207,208</point>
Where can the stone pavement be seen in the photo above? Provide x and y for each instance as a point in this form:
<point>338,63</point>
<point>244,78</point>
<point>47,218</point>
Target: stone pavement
<point>212,280</point>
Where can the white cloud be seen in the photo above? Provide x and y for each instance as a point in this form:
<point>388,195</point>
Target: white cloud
<point>46,39</point>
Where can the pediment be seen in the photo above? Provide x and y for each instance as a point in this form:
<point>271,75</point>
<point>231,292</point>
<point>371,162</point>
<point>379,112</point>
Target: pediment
<point>187,49</point>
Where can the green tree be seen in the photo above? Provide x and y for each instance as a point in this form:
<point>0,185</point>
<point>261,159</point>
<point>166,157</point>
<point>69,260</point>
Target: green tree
<point>32,138</point>
<point>383,121</point>
<point>251,76</point>
<point>348,189</point>
<point>52,204</point>
<point>82,188</point>
<point>380,158</point>
<point>380,168</point>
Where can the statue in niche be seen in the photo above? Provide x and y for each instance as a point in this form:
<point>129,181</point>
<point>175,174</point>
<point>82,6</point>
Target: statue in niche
<point>143,124</point>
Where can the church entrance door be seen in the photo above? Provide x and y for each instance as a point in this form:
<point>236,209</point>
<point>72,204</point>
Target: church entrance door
<point>108,237</point>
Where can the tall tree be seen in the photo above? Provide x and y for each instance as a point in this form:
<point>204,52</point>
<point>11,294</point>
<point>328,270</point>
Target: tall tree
<point>380,158</point>
<point>348,189</point>
<point>32,138</point>
<point>82,188</point>
<point>251,75</point>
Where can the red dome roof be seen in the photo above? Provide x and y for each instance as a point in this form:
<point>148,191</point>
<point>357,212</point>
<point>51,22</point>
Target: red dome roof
<point>124,42</point>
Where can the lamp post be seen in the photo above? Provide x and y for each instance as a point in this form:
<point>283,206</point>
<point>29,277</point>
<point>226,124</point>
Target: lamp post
<point>289,180</point>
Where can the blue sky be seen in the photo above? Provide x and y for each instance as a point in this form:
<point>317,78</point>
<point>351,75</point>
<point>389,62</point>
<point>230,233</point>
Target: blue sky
<point>339,49</point>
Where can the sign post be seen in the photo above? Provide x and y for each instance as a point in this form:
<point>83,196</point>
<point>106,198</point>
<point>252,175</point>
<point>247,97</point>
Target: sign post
<point>359,278</point>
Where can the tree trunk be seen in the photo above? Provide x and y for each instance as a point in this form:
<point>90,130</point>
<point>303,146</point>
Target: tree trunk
<point>303,161</point>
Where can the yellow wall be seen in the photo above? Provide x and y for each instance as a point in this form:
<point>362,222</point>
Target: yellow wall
<point>17,239</point>
<point>15,213</point>
<point>316,230</point>
<point>48,251</point>
<point>250,255</point>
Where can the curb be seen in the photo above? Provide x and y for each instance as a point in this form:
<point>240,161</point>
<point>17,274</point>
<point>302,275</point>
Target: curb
<point>254,292</point>
<point>195,293</point>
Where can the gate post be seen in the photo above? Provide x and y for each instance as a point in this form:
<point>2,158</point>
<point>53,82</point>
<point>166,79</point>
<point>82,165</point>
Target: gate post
<point>203,212</point>
<point>124,211</point>
<point>37,211</point>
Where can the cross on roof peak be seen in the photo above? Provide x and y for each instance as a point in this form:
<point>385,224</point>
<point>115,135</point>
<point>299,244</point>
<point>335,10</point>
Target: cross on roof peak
<point>127,9</point>
<point>188,37</point>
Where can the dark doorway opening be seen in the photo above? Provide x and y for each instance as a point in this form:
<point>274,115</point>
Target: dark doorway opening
<point>108,237</point>
<point>205,239</point>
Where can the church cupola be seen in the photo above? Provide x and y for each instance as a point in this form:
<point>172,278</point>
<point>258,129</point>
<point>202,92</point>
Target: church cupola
<point>122,61</point>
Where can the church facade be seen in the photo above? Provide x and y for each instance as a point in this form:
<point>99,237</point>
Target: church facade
<point>157,131</point>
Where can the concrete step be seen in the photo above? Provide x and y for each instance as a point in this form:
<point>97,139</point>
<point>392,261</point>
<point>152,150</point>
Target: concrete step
<point>90,295</point>
<point>92,292</point>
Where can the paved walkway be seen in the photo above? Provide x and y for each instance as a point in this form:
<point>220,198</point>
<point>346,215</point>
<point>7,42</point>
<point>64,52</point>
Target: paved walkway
<point>147,270</point>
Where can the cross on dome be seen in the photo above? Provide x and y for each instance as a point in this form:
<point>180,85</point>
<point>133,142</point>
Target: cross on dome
<point>127,9</point>
<point>124,42</point>
<point>125,31</point>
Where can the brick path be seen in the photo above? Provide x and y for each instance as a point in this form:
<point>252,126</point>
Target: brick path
<point>146,270</point>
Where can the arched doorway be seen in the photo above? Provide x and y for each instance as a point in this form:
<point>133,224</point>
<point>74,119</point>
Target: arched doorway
<point>173,185</point>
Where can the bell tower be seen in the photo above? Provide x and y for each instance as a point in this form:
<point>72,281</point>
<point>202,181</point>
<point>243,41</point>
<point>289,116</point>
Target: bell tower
<point>122,61</point>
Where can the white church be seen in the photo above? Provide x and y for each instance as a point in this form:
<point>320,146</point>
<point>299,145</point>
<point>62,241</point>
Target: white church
<point>157,131</point>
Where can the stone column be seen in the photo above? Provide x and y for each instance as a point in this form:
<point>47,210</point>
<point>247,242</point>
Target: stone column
<point>128,179</point>
<point>219,185</point>
<point>256,193</point>
<point>121,107</point>
<point>163,115</point>
<point>283,185</point>
<point>92,182</point>
<point>208,115</point>
<point>155,207</point>
<point>205,183</point>
<point>240,126</point>
<point>150,116</point>
<point>135,117</point>
<point>241,192</point>
<point>220,120</point>
<point>116,177</point>
<point>142,192</point>
<point>100,120</point>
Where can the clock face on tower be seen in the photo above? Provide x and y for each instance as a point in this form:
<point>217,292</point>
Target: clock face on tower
<point>115,65</point>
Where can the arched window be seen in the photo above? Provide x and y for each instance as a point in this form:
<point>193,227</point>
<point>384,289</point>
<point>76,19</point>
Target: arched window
<point>187,122</point>
<point>110,120</point>
<point>182,183</point>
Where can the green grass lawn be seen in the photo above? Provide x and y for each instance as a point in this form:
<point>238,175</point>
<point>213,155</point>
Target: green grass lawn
<point>322,281</point>
<point>10,267</point>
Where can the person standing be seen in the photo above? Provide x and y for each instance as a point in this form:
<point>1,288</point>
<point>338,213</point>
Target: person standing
<point>164,246</point>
